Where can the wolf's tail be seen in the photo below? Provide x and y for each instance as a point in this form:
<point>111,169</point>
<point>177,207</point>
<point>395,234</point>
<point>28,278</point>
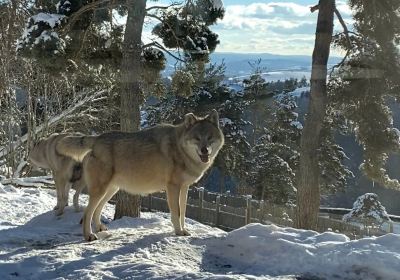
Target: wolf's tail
<point>76,146</point>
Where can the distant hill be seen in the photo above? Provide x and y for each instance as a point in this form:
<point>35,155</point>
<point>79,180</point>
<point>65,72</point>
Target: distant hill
<point>237,64</point>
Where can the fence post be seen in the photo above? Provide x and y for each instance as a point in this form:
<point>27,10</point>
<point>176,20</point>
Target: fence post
<point>150,202</point>
<point>261,211</point>
<point>201,198</point>
<point>248,211</point>
<point>391,227</point>
<point>217,202</point>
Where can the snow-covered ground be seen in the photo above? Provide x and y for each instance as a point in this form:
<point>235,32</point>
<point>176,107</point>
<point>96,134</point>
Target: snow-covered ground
<point>35,244</point>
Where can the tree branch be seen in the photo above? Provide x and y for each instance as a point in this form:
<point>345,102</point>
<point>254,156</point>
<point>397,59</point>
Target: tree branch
<point>163,7</point>
<point>346,33</point>
<point>314,8</point>
<point>158,45</point>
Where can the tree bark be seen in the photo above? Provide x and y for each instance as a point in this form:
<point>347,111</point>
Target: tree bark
<point>308,191</point>
<point>131,92</point>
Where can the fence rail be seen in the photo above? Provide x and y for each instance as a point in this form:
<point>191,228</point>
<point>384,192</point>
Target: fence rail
<point>230,212</point>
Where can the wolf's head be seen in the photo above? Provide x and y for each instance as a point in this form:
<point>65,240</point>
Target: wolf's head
<point>202,138</point>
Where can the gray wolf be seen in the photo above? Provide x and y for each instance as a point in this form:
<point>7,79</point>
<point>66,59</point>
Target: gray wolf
<point>165,157</point>
<point>66,171</point>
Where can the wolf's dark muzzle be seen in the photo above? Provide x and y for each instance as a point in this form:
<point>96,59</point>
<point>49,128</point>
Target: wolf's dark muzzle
<point>204,151</point>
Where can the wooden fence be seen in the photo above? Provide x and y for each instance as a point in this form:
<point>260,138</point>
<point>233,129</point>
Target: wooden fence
<point>230,212</point>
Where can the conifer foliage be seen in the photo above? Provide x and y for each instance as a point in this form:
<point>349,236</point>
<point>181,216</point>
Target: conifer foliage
<point>368,210</point>
<point>275,155</point>
<point>367,79</point>
<point>63,35</point>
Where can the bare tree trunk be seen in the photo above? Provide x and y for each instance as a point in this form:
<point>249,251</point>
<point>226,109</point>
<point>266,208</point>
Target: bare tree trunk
<point>131,92</point>
<point>308,191</point>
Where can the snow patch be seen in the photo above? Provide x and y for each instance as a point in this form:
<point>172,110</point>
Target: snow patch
<point>36,244</point>
<point>51,19</point>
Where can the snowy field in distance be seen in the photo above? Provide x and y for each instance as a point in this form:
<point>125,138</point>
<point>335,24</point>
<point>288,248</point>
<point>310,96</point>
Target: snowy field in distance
<point>273,76</point>
<point>35,244</point>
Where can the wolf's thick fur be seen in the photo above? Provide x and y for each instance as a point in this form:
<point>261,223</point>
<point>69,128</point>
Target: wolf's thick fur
<point>165,157</point>
<point>66,171</point>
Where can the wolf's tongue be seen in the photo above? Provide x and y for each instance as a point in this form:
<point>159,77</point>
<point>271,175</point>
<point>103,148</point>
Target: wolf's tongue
<point>204,158</point>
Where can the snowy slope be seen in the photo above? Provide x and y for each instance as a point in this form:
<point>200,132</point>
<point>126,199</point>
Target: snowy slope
<point>35,244</point>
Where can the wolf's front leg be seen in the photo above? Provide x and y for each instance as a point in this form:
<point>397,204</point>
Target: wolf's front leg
<point>173,203</point>
<point>182,207</point>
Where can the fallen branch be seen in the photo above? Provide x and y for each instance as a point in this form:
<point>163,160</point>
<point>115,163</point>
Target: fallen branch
<point>41,181</point>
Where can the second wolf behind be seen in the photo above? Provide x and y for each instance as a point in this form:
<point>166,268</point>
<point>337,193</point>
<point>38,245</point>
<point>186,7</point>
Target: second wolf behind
<point>66,171</point>
<point>165,157</point>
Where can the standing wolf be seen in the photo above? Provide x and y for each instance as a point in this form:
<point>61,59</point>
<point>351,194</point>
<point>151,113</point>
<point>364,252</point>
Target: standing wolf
<point>66,171</point>
<point>165,157</point>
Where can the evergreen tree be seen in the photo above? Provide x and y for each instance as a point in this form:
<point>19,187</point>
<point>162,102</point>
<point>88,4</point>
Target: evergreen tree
<point>334,174</point>
<point>367,79</point>
<point>368,210</point>
<point>275,156</point>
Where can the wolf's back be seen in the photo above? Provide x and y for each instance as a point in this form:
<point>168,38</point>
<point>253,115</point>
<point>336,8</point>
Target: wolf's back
<point>76,146</point>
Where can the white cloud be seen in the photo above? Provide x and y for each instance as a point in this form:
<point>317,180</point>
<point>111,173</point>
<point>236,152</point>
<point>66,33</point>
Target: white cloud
<point>263,14</point>
<point>343,8</point>
<point>277,27</point>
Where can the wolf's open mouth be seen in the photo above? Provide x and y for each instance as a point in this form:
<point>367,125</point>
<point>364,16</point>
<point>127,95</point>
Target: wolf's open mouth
<point>204,158</point>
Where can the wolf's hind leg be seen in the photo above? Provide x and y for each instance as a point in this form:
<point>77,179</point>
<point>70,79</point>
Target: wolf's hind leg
<point>94,200</point>
<point>79,187</point>
<point>97,183</point>
<point>62,188</point>
<point>97,213</point>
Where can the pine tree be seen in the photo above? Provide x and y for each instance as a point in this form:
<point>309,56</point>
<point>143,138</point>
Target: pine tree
<point>368,210</point>
<point>275,156</point>
<point>367,79</point>
<point>334,174</point>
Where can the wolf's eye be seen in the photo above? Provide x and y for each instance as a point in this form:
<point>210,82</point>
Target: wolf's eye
<point>197,138</point>
<point>209,138</point>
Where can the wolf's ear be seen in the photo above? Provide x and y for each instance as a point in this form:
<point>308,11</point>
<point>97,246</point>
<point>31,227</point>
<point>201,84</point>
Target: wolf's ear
<point>213,117</point>
<point>190,119</point>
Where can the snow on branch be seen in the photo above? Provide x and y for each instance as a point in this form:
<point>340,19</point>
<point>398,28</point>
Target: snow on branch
<point>50,20</point>
<point>367,209</point>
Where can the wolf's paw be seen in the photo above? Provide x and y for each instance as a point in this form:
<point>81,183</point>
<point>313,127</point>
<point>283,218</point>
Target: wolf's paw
<point>182,232</point>
<point>186,232</point>
<point>91,237</point>
<point>102,227</point>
